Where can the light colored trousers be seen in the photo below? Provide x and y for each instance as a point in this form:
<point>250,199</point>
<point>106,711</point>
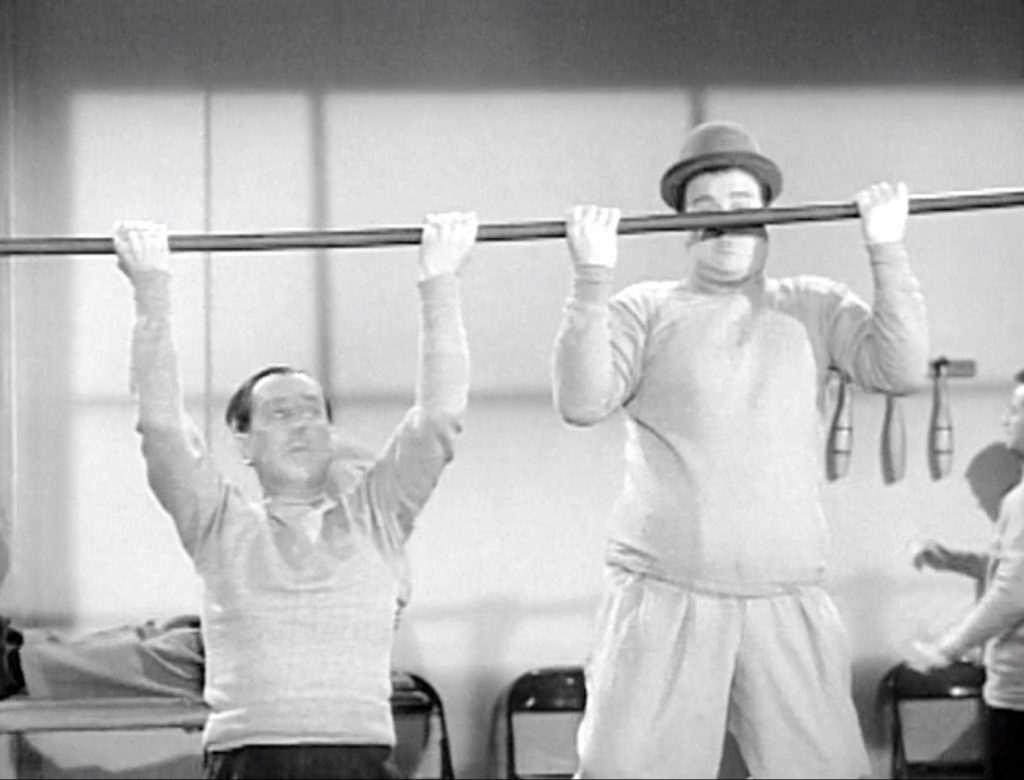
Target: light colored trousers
<point>672,669</point>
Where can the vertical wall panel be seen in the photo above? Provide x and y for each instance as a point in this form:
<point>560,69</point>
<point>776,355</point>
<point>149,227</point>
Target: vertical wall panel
<point>7,148</point>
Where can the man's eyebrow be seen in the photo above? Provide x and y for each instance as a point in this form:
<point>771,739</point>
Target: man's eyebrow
<point>702,199</point>
<point>273,402</point>
<point>310,395</point>
<point>276,401</point>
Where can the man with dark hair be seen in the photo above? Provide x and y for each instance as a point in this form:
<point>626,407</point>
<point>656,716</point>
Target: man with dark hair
<point>996,621</point>
<point>300,588</point>
<point>716,614</point>
<point>238,414</point>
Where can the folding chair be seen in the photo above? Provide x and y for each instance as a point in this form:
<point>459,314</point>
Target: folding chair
<point>936,721</point>
<point>423,749</point>
<point>543,708</point>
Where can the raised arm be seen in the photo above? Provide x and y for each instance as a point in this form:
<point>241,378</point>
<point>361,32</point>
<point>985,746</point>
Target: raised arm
<point>403,478</point>
<point>885,349</point>
<point>591,375</point>
<point>179,469</point>
<point>442,386</point>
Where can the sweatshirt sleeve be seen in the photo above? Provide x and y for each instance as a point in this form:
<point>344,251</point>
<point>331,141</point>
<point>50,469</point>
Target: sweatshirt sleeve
<point>179,467</point>
<point>884,348</point>
<point>597,349</point>
<point>404,477</point>
<point>442,386</point>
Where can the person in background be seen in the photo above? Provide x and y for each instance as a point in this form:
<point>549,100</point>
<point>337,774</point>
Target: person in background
<point>715,615</point>
<point>300,587</point>
<point>153,658</point>
<point>991,473</point>
<point>996,621</point>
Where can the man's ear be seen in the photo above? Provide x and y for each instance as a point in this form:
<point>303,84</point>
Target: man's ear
<point>243,443</point>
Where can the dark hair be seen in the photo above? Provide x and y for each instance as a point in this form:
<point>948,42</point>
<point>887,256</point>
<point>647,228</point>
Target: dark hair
<point>238,414</point>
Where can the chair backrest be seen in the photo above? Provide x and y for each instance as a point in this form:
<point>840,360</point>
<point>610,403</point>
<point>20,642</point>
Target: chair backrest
<point>421,728</point>
<point>936,720</point>
<point>549,693</point>
<point>956,681</point>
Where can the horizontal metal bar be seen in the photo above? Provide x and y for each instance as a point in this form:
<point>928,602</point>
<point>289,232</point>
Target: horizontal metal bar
<point>509,231</point>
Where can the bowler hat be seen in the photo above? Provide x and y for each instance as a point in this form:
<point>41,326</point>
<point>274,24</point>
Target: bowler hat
<point>713,146</point>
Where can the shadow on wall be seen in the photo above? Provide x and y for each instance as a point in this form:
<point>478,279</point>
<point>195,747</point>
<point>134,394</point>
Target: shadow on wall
<point>528,43</point>
<point>992,473</point>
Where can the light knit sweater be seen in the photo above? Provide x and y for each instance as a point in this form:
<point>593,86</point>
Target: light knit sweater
<point>722,390</point>
<point>298,631</point>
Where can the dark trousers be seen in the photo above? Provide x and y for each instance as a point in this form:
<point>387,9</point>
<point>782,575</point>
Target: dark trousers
<point>301,762</point>
<point>1004,744</point>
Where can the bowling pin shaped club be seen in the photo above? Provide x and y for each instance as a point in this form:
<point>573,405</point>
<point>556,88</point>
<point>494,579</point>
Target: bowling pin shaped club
<point>840,434</point>
<point>894,441</point>
<point>940,429</point>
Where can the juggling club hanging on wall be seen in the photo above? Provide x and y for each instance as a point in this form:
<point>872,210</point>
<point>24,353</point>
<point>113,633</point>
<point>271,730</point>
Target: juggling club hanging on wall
<point>840,434</point>
<point>894,441</point>
<point>940,429</point>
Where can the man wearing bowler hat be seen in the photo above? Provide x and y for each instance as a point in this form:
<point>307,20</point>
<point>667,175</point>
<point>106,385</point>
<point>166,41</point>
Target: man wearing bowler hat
<point>715,616</point>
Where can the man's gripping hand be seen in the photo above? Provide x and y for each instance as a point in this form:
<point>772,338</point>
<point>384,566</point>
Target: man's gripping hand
<point>142,248</point>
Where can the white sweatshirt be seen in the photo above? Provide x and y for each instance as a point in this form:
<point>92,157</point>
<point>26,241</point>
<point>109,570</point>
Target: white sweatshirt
<point>722,391</point>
